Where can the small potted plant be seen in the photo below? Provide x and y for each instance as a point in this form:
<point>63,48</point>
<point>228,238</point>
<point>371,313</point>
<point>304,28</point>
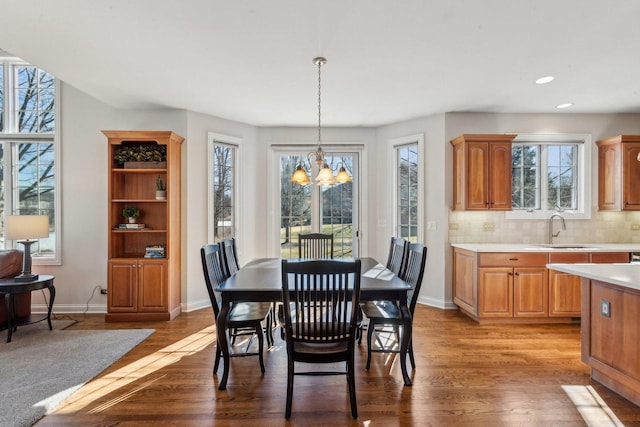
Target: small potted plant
<point>161,189</point>
<point>131,212</point>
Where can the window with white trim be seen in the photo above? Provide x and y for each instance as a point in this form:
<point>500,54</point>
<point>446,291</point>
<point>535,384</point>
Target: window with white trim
<point>222,187</point>
<point>408,187</point>
<point>549,174</point>
<point>29,175</point>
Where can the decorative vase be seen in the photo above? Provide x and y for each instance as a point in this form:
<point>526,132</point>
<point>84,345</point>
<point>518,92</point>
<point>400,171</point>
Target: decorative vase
<point>132,220</point>
<point>161,195</point>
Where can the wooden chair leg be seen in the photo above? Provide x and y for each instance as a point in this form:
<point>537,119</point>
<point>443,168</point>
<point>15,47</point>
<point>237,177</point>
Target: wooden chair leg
<point>369,337</point>
<point>260,345</point>
<point>351,379</point>
<point>290,376</point>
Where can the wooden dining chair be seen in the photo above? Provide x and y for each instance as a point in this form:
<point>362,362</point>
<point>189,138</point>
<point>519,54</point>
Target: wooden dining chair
<point>315,246</point>
<point>245,318</point>
<point>230,256</point>
<point>384,314</point>
<point>397,254</point>
<point>322,297</point>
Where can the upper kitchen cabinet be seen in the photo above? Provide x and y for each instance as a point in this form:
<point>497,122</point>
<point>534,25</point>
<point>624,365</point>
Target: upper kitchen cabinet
<point>619,173</point>
<point>482,172</point>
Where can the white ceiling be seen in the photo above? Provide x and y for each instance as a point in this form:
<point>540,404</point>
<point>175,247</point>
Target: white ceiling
<point>251,60</point>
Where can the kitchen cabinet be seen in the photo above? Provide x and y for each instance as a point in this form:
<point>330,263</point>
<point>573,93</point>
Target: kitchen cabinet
<point>518,288</point>
<point>143,282</point>
<point>482,172</point>
<point>512,285</point>
<point>564,288</point>
<point>619,173</point>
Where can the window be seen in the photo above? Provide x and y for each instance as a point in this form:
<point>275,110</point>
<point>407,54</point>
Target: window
<point>318,209</point>
<point>407,167</point>
<point>28,151</point>
<point>549,175</point>
<point>222,187</point>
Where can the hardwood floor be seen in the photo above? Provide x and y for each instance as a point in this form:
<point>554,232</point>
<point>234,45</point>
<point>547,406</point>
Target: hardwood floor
<point>466,374</point>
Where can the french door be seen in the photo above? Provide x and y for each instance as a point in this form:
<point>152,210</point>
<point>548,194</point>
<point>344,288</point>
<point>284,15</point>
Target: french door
<point>319,209</point>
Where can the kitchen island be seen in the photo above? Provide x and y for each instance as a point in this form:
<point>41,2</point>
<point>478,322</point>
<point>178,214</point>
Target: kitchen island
<point>610,332</point>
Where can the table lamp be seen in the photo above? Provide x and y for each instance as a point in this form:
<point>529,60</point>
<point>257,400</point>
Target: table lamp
<point>24,229</point>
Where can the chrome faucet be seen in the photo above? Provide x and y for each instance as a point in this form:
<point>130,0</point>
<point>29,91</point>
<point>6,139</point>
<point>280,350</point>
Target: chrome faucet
<point>550,226</point>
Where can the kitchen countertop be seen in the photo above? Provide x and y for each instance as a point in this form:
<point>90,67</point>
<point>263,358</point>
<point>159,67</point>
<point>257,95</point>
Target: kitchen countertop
<point>538,247</point>
<point>627,275</point>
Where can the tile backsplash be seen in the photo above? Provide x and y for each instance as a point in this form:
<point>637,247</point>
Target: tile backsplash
<point>492,227</point>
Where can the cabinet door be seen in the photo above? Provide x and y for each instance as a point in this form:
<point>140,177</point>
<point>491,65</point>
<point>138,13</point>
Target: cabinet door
<point>464,280</point>
<point>530,292</point>
<point>153,285</point>
<point>500,176</point>
<point>606,331</point>
<point>122,285</point>
<point>478,176</point>
<point>631,176</point>
<point>495,292</point>
<point>564,294</point>
<point>609,177</point>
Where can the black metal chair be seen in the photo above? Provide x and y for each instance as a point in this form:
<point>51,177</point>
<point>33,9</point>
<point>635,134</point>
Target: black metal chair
<point>230,256</point>
<point>397,254</point>
<point>315,246</point>
<point>245,318</point>
<point>322,297</point>
<point>382,314</point>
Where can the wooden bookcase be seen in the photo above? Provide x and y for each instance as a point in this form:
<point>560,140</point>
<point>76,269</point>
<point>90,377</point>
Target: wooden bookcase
<point>139,288</point>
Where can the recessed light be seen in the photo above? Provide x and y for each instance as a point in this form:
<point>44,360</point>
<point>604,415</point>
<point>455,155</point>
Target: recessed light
<point>561,106</point>
<point>545,79</point>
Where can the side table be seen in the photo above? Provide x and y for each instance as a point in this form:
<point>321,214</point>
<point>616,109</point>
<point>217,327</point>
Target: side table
<point>10,288</point>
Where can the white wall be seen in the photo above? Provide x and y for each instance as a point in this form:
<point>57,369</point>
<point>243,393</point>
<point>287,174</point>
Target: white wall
<point>83,169</point>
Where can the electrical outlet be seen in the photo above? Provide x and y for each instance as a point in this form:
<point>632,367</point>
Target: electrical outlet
<point>103,291</point>
<point>635,226</point>
<point>605,308</point>
<point>488,226</point>
<point>453,226</point>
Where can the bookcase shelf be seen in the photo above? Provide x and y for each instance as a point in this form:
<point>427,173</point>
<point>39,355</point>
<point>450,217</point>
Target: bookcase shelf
<point>144,288</point>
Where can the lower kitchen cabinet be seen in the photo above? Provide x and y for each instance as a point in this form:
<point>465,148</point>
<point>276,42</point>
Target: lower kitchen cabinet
<point>518,288</point>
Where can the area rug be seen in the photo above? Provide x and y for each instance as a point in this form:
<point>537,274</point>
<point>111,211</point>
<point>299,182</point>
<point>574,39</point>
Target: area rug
<point>39,368</point>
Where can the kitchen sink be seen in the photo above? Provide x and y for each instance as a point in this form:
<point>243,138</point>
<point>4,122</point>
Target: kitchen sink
<point>565,246</point>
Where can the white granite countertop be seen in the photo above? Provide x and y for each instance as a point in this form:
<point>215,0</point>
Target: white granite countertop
<point>627,275</point>
<point>540,247</point>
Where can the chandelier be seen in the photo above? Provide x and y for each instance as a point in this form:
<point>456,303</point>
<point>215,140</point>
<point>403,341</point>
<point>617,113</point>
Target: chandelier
<point>325,174</point>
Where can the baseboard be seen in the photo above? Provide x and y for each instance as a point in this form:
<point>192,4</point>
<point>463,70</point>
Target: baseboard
<point>71,308</point>
<point>438,303</point>
<point>196,305</point>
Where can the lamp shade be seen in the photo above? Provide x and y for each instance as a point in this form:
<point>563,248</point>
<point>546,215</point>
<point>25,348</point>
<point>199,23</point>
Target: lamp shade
<point>25,227</point>
<point>325,176</point>
<point>300,177</point>
<point>343,176</point>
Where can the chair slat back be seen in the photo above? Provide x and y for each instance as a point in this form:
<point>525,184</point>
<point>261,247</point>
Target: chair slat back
<point>397,255</point>
<point>315,246</point>
<point>414,271</point>
<point>214,273</point>
<point>230,256</point>
<point>323,298</point>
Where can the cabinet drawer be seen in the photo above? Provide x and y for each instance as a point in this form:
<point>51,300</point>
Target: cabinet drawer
<point>568,258</point>
<point>518,259</point>
<point>607,257</point>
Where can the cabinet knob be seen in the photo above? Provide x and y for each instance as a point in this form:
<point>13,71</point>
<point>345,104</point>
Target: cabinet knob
<point>517,274</point>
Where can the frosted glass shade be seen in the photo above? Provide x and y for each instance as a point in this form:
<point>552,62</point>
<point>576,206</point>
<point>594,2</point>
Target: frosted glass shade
<point>26,227</point>
<point>343,176</point>
<point>325,176</point>
<point>300,177</point>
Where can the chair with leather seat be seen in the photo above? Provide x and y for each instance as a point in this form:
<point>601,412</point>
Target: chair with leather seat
<point>322,298</point>
<point>245,318</point>
<point>384,316</point>
<point>315,246</point>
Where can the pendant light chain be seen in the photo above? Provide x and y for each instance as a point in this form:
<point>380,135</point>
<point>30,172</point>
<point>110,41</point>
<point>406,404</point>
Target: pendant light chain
<point>319,101</point>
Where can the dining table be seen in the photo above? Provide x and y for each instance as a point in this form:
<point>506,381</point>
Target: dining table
<point>260,280</point>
